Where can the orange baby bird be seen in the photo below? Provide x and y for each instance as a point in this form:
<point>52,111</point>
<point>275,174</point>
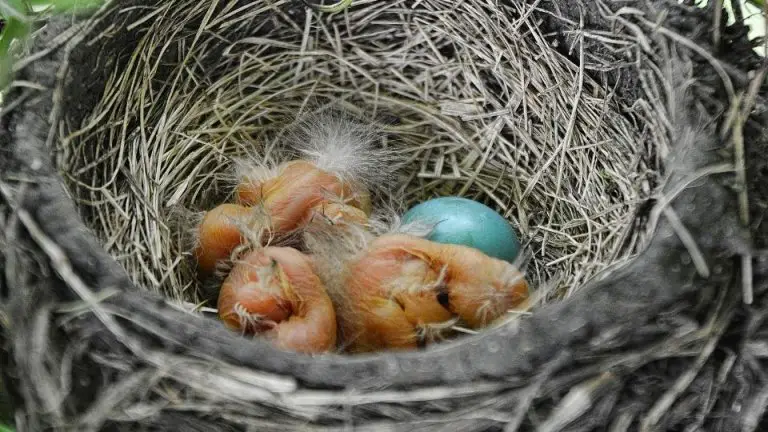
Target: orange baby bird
<point>275,292</point>
<point>403,283</point>
<point>291,199</point>
<point>221,231</point>
<point>299,187</point>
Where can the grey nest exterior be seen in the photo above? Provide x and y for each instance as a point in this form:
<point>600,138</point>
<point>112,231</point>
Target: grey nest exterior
<point>675,339</point>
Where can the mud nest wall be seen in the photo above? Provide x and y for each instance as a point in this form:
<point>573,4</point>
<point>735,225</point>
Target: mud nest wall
<point>659,101</point>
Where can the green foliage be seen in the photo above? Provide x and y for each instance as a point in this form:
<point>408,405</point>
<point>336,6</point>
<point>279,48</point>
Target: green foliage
<point>65,6</point>
<point>15,14</point>
<point>18,16</point>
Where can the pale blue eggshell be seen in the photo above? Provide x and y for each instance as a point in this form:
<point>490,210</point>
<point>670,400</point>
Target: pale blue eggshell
<point>466,222</point>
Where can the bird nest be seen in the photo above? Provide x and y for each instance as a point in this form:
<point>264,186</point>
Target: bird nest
<point>615,138</point>
<point>505,119</point>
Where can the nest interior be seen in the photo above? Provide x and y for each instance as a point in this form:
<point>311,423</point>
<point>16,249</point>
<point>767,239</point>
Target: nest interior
<point>476,100</point>
<point>561,115</point>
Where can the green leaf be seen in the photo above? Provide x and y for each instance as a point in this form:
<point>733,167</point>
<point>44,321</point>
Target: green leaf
<point>64,6</point>
<point>15,30</point>
<point>16,9</point>
<point>18,15</point>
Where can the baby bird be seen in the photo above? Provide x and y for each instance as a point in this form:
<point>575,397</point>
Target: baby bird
<point>286,202</point>
<point>221,231</point>
<point>275,292</point>
<point>299,186</point>
<point>402,284</point>
<point>333,165</point>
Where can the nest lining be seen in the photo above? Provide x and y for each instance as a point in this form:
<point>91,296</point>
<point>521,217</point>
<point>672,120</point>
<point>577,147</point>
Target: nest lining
<point>476,100</point>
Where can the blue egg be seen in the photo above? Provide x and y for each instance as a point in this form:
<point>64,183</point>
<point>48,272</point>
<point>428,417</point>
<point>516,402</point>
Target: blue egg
<point>466,222</point>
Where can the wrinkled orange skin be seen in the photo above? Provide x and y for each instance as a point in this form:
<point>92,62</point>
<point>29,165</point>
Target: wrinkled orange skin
<point>336,212</point>
<point>298,188</point>
<point>280,284</point>
<point>378,318</point>
<point>384,318</point>
<point>219,235</point>
<point>298,193</point>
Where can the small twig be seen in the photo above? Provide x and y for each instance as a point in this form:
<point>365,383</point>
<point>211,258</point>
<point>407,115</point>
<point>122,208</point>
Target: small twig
<point>577,402</point>
<point>717,65</point>
<point>530,393</point>
<point>310,398</point>
<point>716,34</point>
<point>666,199</point>
<point>688,241</point>
<point>339,6</point>
<point>722,377</point>
<point>717,328</point>
<point>755,409</point>
<point>60,262</point>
